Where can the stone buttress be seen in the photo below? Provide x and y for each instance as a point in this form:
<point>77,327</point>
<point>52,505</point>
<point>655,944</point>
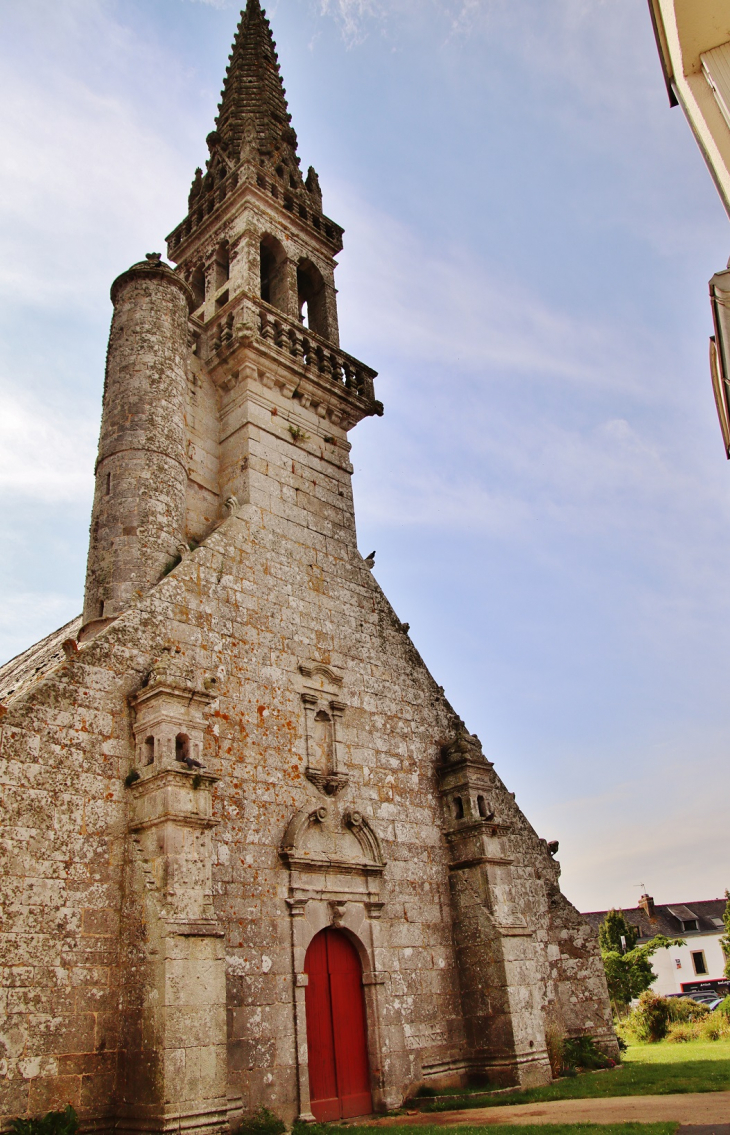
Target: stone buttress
<point>238,747</point>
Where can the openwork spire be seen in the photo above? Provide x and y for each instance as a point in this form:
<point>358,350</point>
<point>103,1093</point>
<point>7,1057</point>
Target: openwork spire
<point>253,120</point>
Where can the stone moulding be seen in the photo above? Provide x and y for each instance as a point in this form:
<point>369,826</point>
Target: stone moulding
<point>328,783</point>
<point>315,669</point>
<point>297,857</point>
<point>195,928</point>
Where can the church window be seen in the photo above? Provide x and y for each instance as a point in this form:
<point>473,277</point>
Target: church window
<point>274,284</point>
<point>182,747</point>
<point>108,489</point>
<point>458,808</point>
<point>311,296</point>
<point>149,751</point>
<point>197,283</point>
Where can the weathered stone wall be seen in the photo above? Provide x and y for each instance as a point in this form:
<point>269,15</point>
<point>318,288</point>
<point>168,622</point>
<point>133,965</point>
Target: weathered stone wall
<point>279,586</point>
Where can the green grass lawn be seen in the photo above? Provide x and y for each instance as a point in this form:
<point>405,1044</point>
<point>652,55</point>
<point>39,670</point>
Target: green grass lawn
<point>647,1070</point>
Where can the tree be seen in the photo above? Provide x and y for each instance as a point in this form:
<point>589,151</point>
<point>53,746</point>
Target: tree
<point>615,934</point>
<point>628,966</point>
<point>725,940</point>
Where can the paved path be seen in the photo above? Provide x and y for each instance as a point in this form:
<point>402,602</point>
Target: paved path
<point>695,1108</point>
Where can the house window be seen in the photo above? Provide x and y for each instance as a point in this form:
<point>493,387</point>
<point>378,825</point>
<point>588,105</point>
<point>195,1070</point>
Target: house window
<point>718,922</point>
<point>690,924</point>
<point>698,961</point>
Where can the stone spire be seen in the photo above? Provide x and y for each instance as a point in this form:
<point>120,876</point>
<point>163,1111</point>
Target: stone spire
<point>253,121</point>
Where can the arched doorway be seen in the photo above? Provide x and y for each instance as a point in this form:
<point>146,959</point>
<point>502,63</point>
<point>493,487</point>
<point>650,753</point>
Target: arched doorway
<point>339,1072</point>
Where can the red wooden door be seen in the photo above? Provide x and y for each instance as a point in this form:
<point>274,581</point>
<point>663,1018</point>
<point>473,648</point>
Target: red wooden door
<point>339,1074</point>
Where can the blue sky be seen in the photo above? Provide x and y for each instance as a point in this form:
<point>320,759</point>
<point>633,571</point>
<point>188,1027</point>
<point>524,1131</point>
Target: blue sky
<point>529,235</point>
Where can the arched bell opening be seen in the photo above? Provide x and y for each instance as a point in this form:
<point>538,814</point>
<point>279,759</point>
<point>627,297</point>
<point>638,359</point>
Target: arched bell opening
<point>221,273</point>
<point>182,748</point>
<point>197,283</point>
<point>337,1033</point>
<point>311,298</point>
<point>274,277</point>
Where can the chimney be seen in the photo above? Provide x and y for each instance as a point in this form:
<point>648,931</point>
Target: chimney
<point>646,903</point>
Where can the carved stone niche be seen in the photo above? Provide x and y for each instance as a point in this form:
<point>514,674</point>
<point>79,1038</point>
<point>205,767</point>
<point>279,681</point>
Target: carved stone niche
<point>466,785</point>
<point>169,720</point>
<point>323,712</point>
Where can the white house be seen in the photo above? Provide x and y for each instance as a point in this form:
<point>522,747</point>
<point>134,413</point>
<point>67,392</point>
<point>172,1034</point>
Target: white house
<point>698,965</point>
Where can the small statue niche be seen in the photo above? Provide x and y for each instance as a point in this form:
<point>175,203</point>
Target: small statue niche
<point>321,756</point>
<point>323,714</point>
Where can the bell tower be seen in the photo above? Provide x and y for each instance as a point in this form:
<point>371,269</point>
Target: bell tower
<point>226,384</point>
<point>259,255</point>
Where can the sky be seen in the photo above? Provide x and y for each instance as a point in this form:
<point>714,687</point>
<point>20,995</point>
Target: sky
<point>529,234</point>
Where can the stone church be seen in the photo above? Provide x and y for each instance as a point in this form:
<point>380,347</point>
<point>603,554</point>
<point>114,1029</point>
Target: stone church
<point>250,854</point>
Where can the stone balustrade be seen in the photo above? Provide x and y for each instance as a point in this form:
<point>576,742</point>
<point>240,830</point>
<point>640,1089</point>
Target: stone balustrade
<point>254,319</point>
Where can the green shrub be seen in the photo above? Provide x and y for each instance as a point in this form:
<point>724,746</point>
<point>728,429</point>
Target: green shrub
<point>682,1031</point>
<point>264,1122</point>
<point>655,1017</point>
<point>650,1018</point>
<point>54,1123</point>
<point>581,1052</point>
<point>685,1009</point>
<point>724,1007</point>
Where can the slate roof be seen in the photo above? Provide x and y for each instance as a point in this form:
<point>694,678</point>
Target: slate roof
<point>668,918</point>
<point>34,663</point>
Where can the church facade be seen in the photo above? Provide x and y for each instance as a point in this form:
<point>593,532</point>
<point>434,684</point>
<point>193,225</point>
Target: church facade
<point>251,855</point>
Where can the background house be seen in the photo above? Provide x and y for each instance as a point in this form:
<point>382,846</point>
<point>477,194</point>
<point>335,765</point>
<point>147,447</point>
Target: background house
<point>698,965</point>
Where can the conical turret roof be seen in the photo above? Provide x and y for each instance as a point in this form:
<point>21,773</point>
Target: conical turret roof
<point>253,112</point>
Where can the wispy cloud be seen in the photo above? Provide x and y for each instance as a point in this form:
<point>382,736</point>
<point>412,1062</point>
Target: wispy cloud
<point>44,455</point>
